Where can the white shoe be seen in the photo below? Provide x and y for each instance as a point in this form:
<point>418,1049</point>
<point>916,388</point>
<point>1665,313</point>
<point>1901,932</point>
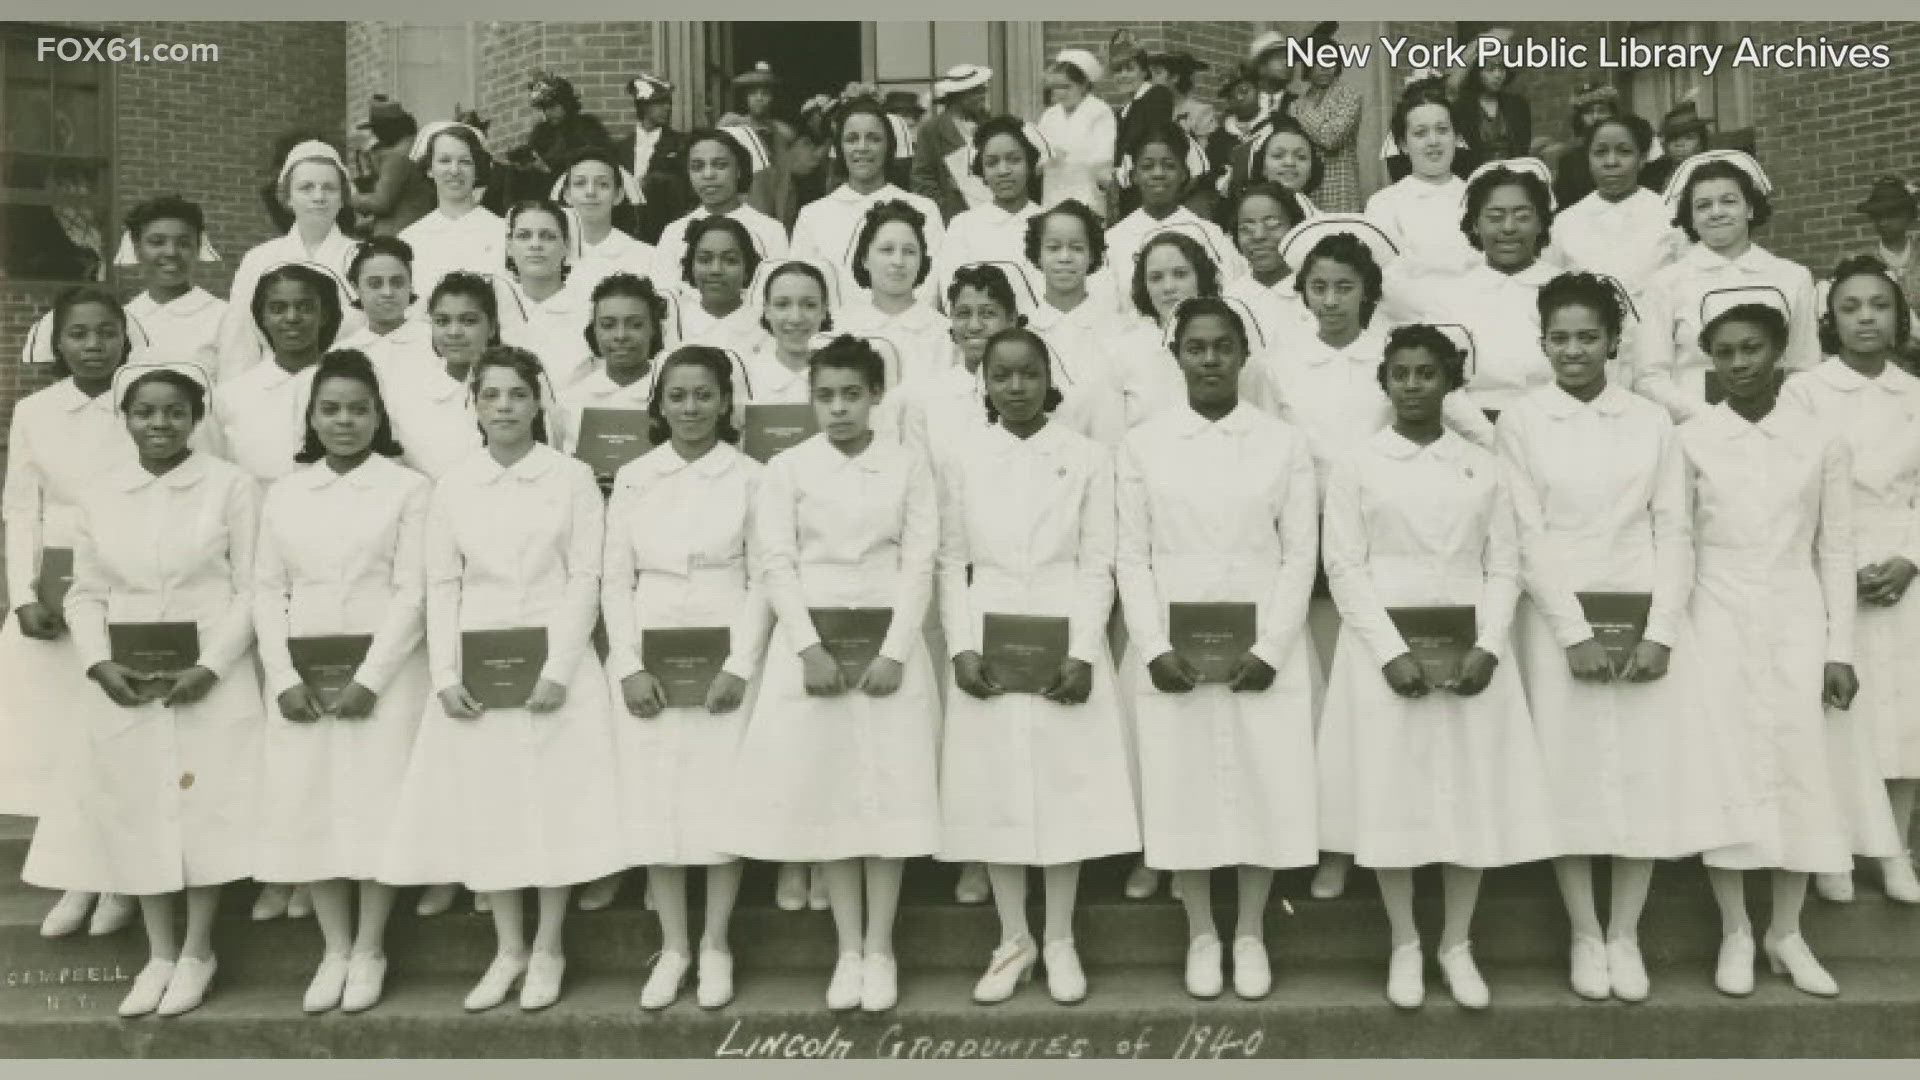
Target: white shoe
<point>1252,972</point>
<point>973,887</point>
<point>541,987</point>
<point>715,985</point>
<point>879,983</point>
<point>148,988</point>
<point>1463,977</point>
<point>493,987</point>
<point>272,902</point>
<point>112,914</point>
<point>663,983</point>
<point>1834,888</point>
<point>790,890</point>
<point>1790,957</point>
<point>1066,980</point>
<point>366,977</point>
<point>1203,967</point>
<point>1011,964</point>
<point>1626,971</point>
<point>1897,878</point>
<point>1330,880</point>
<point>1589,974</point>
<point>1733,974</point>
<point>597,895</point>
<point>329,983</point>
<point>1406,976</point>
<point>1142,882</point>
<point>436,900</point>
<point>68,914</point>
<point>300,902</point>
<point>188,987</point>
<point>843,992</point>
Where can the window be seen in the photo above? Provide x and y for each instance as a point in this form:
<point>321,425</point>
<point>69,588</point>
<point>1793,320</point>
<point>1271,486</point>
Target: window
<point>56,202</point>
<point>433,70</point>
<point>911,55</point>
<point>1723,97</point>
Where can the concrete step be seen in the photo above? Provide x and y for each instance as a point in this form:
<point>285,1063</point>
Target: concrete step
<point>1131,1012</point>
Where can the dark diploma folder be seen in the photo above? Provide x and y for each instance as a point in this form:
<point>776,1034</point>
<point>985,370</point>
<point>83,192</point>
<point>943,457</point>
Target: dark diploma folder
<point>1618,620</point>
<point>1023,652</point>
<point>501,667</point>
<point>853,636</point>
<point>327,664</point>
<point>771,428</point>
<point>56,576</point>
<point>155,648</point>
<point>609,438</point>
<point>685,660</point>
<point>1211,637</point>
<point>1438,637</point>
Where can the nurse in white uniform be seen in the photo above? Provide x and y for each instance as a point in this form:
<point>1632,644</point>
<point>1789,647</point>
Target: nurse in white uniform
<point>1773,612</point>
<point>340,553</point>
<point>893,260</point>
<point>1030,779</point>
<point>458,233</point>
<point>1620,229</point>
<point>557,305</point>
<point>1160,165</point>
<point>1718,198</point>
<point>677,761</point>
<point>593,186</point>
<point>838,765</point>
<point>864,139</point>
<point>1217,505</point>
<point>395,339</point>
<point>720,260</point>
<point>1173,267</point>
<point>160,796</point>
<point>298,310</point>
<point>165,237</point>
<point>509,799</point>
<point>62,440</point>
<point>1874,747</point>
<point>720,165</point>
<point>1006,155</point>
<point>1420,211</point>
<point>431,406</point>
<point>312,184</point>
<point>1638,750</point>
<point>1443,770</point>
<point>626,335</point>
<point>1263,215</point>
<point>1081,126</point>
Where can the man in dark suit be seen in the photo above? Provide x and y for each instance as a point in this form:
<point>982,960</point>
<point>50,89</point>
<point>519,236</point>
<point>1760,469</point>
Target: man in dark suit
<point>962,100</point>
<point>657,154</point>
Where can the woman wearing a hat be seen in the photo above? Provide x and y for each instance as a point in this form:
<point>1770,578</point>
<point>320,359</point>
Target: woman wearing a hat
<point>1683,133</point>
<point>1496,122</point>
<point>400,195</point>
<point>1891,207</point>
<point>1081,127</point>
<point>1330,111</point>
<point>772,190</point>
<point>655,153</point>
<point>562,130</point>
<point>1149,104</point>
<point>1571,178</point>
<point>940,144</point>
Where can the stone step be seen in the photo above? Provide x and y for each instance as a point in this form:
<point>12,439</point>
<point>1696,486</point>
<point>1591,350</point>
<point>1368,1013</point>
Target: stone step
<point>1132,1011</point>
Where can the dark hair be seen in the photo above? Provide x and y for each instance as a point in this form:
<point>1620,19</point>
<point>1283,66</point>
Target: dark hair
<point>387,131</point>
<point>1021,335</point>
<point>1257,156</point>
<point>482,161</point>
<point>1079,211</point>
<point>195,394</point>
<point>850,353</point>
<point>1015,128</point>
<point>320,282</point>
<point>1182,73</point>
<point>884,213</point>
<point>1203,269</point>
<point>1199,306</point>
<point>592,152</point>
<point>1636,125</point>
<point>805,269</point>
<point>1348,250</point>
<point>742,159</point>
<point>1482,189</point>
<point>1864,266</point>
<point>1765,316</point>
<point>632,287</point>
<point>380,245</point>
<point>353,365</point>
<point>523,364</point>
<point>1166,134</point>
<point>987,279</point>
<point>63,306</point>
<point>475,287</point>
<point>1288,201</point>
<point>1585,290</point>
<point>545,206</point>
<point>708,223</point>
<point>863,106</point>
<point>717,363</point>
<point>1425,92</point>
<point>165,208</point>
<point>1438,345</point>
<point>1474,87</point>
<point>1757,200</point>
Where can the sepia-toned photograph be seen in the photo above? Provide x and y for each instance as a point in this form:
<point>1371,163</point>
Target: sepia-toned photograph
<point>959,539</point>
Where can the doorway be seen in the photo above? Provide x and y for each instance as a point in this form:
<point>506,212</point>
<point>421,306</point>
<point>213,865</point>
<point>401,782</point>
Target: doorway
<point>809,58</point>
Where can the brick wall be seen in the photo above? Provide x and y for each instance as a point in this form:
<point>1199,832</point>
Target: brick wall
<point>370,66</point>
<point>597,57</point>
<point>205,131</point>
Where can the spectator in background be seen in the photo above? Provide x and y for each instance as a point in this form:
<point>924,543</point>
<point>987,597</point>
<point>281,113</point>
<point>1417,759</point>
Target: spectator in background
<point>561,132</point>
<point>1891,207</point>
<point>401,194</point>
<point>1201,123</point>
<point>940,156</point>
<point>1081,128</point>
<point>1148,104</point>
<point>1683,133</point>
<point>1269,74</point>
<point>1572,177</point>
<point>657,155</point>
<point>1329,110</point>
<point>1496,122</point>
<point>772,190</point>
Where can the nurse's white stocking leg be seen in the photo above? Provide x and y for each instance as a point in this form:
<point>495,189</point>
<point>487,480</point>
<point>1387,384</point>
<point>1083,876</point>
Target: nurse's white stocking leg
<point>1631,880</point>
<point>1196,895</point>
<point>1063,888</point>
<point>163,941</point>
<point>509,923</point>
<point>669,885</point>
<point>1789,896</point>
<point>333,909</point>
<point>1010,900</point>
<point>723,888</point>
<point>1574,874</point>
<point>202,902</point>
<point>1256,885</point>
<point>553,921</point>
<point>376,904</point>
<point>844,897</point>
<point>1396,892</point>
<point>1730,893</point>
<point>883,901</point>
<point>1461,885</point>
